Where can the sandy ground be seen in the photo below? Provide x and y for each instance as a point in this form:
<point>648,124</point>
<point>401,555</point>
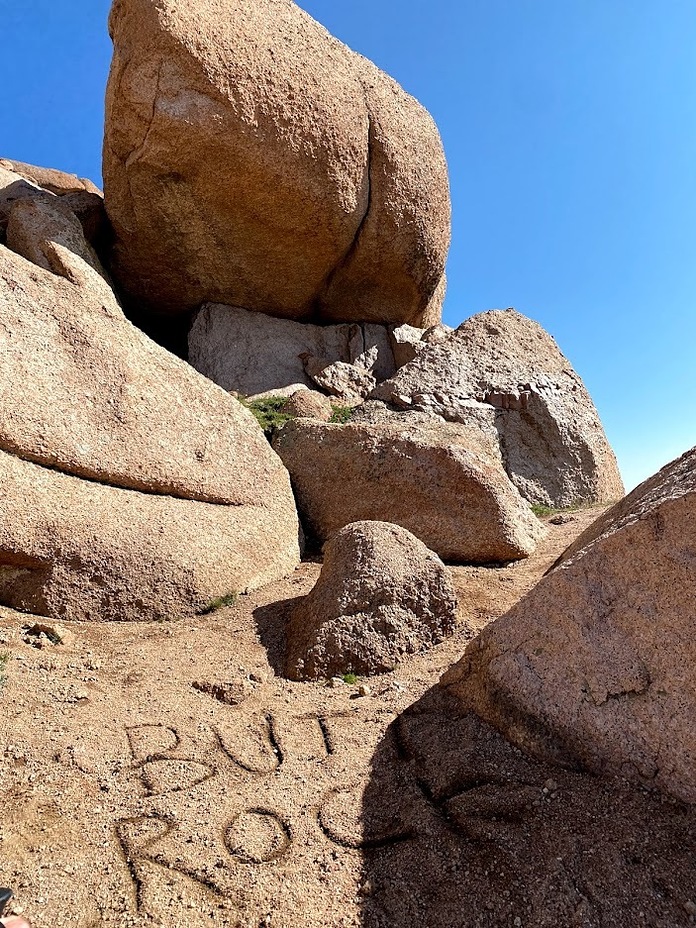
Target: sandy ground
<point>166,774</point>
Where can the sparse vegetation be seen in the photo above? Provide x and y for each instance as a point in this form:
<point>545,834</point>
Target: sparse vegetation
<point>229,599</point>
<point>268,412</point>
<point>541,512</point>
<point>341,414</point>
<point>3,664</point>
<point>350,678</point>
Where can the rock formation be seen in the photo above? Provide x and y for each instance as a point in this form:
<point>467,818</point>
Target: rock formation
<point>252,159</point>
<point>443,482</point>
<point>551,438</point>
<point>597,665</point>
<point>381,595</point>
<point>116,428</point>
<point>252,353</point>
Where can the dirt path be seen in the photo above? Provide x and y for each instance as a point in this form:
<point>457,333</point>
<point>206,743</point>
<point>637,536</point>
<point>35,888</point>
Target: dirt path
<point>165,774</point>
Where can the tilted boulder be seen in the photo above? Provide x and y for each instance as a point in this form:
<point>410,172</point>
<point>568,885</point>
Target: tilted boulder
<point>381,595</point>
<point>551,438</point>
<point>252,159</point>
<point>596,666</point>
<point>441,481</point>
<point>85,393</point>
<point>252,353</point>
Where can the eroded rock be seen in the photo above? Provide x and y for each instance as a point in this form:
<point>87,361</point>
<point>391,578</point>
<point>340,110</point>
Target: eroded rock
<point>381,595</point>
<point>550,435</point>
<point>597,665</point>
<point>442,481</point>
<point>309,184</point>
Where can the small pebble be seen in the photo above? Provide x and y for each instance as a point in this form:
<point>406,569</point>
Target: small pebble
<point>364,690</point>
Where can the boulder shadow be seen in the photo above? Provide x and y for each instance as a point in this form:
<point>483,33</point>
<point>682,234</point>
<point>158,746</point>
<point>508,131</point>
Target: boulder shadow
<point>459,829</point>
<point>271,624</point>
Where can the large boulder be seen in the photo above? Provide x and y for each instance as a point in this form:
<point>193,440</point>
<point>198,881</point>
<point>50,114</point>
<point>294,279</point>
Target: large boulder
<point>381,595</point>
<point>252,353</point>
<point>443,482</point>
<point>252,159</point>
<point>85,393</point>
<point>597,665</point>
<point>551,438</point>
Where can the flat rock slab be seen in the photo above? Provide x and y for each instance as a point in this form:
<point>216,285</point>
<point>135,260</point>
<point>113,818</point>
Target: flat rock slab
<point>443,482</point>
<point>596,665</point>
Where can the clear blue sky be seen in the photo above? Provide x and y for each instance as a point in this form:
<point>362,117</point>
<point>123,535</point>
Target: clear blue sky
<point>570,130</point>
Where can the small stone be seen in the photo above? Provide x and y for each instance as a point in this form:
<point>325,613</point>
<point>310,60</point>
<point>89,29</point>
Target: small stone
<point>364,690</point>
<point>690,907</point>
<point>335,682</point>
<point>551,786</point>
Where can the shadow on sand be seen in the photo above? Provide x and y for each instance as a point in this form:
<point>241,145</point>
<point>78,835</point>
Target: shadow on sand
<point>460,829</point>
<point>271,624</point>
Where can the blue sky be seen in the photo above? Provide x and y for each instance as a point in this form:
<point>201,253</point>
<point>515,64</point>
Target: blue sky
<point>570,131</point>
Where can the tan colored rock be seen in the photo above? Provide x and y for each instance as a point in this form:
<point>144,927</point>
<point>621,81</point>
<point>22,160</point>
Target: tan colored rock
<point>108,404</point>
<point>597,665</point>
<point>552,441</point>
<point>443,482</point>
<point>37,224</point>
<point>58,182</point>
<point>73,549</point>
<point>348,382</point>
<point>13,187</point>
<point>253,160</point>
<point>397,263</point>
<point>308,404</point>
<point>83,392</point>
<point>381,595</point>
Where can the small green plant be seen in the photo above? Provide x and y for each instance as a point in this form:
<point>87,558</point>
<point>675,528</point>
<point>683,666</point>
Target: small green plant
<point>268,412</point>
<point>229,599</point>
<point>4,658</point>
<point>341,414</point>
<point>350,679</point>
<point>542,511</point>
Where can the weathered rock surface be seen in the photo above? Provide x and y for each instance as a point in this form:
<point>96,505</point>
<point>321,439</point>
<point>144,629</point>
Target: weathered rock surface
<point>84,392</point>
<point>252,159</point>
<point>79,550</point>
<point>441,481</point>
<point>308,404</point>
<point>381,595</point>
<point>597,665</point>
<point>348,382</point>
<point>20,181</point>
<point>551,438</point>
<point>37,224</point>
<point>252,353</point>
<point>51,179</point>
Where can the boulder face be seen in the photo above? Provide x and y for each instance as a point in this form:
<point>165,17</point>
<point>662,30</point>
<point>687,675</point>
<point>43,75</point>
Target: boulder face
<point>114,424</point>
<point>252,353</point>
<point>597,665</point>
<point>381,595</point>
<point>441,481</point>
<point>252,159</point>
<point>551,438</point>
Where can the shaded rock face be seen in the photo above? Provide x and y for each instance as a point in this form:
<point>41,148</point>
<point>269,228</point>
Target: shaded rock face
<point>597,665</point>
<point>443,482</point>
<point>551,439</point>
<point>252,353</point>
<point>381,595</point>
<point>252,159</point>
<point>113,424</point>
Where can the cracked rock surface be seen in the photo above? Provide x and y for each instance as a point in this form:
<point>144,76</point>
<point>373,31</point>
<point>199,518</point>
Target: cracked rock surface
<point>596,666</point>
